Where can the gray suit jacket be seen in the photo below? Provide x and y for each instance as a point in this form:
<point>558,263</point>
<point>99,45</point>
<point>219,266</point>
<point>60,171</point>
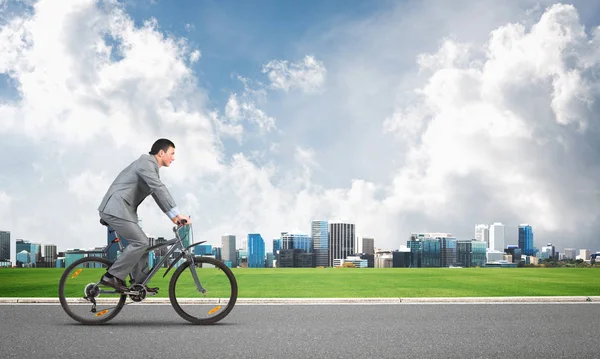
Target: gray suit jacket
<point>136,182</point>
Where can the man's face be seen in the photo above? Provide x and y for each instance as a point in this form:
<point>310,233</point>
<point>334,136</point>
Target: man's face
<point>167,157</point>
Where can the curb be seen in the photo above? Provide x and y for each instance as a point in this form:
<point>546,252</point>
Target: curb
<point>329,301</point>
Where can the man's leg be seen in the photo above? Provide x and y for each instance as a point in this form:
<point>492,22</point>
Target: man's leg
<point>133,252</point>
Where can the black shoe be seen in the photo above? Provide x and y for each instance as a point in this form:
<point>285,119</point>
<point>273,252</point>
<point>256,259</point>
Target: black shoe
<point>115,283</point>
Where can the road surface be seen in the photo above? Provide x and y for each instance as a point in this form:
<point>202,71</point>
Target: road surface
<point>311,331</point>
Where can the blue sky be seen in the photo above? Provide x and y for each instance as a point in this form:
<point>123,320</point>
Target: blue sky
<point>239,37</point>
<point>398,116</point>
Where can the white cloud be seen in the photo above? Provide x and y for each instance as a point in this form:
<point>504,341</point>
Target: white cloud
<point>307,74</point>
<point>479,127</point>
<point>195,56</point>
<point>94,92</point>
<point>87,185</point>
<point>244,108</point>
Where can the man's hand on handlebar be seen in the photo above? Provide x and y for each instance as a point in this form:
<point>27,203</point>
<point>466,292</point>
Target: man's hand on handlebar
<point>181,220</point>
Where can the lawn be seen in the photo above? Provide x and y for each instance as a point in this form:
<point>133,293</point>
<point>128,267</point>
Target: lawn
<point>357,283</point>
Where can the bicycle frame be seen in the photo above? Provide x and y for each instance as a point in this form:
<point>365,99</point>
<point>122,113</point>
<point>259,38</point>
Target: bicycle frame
<point>175,243</point>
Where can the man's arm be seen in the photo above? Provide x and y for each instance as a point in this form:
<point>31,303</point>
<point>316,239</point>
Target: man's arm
<point>148,172</point>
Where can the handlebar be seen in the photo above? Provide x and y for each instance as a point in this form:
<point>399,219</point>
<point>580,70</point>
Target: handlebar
<point>180,224</point>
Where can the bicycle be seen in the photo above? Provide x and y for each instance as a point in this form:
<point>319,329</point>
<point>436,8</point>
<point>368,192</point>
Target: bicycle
<point>218,288</point>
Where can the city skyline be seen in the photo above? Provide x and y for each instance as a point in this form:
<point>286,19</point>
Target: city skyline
<point>395,116</point>
<point>287,240</point>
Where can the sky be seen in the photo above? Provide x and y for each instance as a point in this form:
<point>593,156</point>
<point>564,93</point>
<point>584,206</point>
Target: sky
<point>397,116</point>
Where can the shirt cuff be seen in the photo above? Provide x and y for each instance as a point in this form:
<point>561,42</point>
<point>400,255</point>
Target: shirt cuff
<point>173,212</point>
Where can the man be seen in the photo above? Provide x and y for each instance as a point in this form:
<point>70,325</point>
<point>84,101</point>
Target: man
<point>119,209</point>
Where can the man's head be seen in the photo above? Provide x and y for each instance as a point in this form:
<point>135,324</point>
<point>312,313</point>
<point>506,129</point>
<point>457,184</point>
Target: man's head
<point>164,152</point>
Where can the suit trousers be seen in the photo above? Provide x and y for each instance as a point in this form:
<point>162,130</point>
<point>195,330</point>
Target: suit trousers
<point>131,260</point>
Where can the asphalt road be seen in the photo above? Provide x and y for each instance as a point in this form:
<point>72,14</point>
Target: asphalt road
<point>311,331</point>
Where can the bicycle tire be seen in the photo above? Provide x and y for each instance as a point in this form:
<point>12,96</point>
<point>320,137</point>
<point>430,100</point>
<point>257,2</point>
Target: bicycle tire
<point>222,314</point>
<point>63,300</point>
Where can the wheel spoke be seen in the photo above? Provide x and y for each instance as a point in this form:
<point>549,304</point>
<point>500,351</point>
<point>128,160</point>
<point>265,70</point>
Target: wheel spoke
<point>81,296</point>
<point>216,299</point>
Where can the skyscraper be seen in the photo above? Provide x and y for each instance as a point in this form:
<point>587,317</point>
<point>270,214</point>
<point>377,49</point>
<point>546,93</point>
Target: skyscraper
<point>256,251</point>
<point>5,245</point>
<point>497,237</point>
<point>548,252</point>
<point>49,254</point>
<point>296,241</point>
<point>368,245</point>
<point>228,252</point>
<point>320,242</point>
<point>526,239</point>
<point>287,241</point>
<point>482,234</point>
<point>342,241</point>
<point>276,246</point>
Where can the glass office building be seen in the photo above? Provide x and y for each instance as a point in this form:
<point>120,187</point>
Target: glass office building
<point>526,240</point>
<point>34,250</point>
<point>276,246</point>
<point>471,253</point>
<point>430,253</point>
<point>23,257</point>
<point>416,248</point>
<point>296,241</point>
<point>203,249</point>
<point>400,259</point>
<point>320,242</point>
<point>447,252</point>
<point>4,245</point>
<point>256,251</point>
<point>216,252</point>
<point>302,241</point>
<point>478,253</point>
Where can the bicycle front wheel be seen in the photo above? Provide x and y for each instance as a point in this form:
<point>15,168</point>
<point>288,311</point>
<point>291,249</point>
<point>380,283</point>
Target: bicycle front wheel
<point>214,302</point>
<point>81,295</point>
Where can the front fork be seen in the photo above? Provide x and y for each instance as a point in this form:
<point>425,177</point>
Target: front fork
<point>195,275</point>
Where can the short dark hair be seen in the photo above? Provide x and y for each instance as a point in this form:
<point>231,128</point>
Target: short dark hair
<point>161,144</point>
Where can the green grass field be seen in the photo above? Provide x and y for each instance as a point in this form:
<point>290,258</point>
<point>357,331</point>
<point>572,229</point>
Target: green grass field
<point>357,283</point>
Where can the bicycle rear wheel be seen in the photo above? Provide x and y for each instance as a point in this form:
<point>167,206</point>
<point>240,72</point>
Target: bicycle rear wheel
<point>220,291</point>
<point>81,295</point>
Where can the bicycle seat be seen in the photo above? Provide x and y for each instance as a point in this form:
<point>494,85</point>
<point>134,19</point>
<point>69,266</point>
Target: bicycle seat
<point>102,222</point>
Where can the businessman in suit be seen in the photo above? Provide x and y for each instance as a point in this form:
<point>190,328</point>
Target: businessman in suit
<point>119,209</point>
